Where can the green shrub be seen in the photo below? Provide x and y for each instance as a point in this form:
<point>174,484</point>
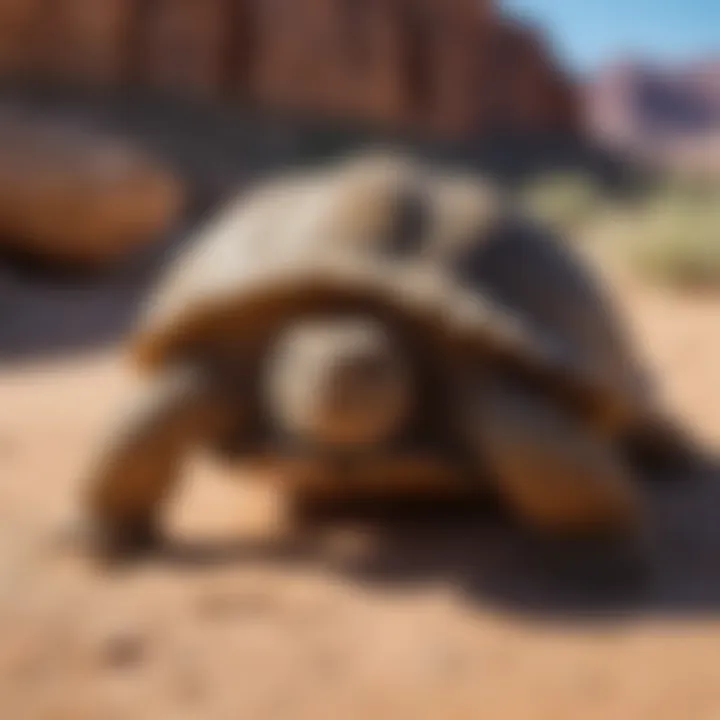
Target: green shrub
<point>674,237</point>
<point>566,201</point>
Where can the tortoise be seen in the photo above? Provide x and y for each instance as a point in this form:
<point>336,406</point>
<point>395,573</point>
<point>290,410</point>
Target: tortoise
<point>382,328</point>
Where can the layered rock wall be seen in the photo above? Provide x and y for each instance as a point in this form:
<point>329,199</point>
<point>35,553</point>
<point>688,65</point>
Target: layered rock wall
<point>444,67</point>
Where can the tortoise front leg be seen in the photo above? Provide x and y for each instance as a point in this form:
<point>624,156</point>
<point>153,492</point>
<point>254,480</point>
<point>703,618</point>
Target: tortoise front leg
<point>555,473</point>
<point>140,461</point>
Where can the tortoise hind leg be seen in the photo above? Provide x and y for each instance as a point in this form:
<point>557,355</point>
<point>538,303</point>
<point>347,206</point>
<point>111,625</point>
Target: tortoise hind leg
<point>139,462</point>
<point>555,474</point>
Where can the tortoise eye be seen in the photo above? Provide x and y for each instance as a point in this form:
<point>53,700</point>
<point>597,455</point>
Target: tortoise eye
<point>410,224</point>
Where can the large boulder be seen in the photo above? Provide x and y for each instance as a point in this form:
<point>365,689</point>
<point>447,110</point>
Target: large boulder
<point>75,197</point>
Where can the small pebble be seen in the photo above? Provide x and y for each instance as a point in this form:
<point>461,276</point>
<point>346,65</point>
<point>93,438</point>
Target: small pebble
<point>123,650</point>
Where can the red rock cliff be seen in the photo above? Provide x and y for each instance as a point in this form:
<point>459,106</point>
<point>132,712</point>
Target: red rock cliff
<point>445,67</point>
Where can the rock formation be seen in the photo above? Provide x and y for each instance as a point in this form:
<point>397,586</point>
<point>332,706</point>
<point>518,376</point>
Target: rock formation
<point>667,116</point>
<point>454,68</point>
<point>74,197</point>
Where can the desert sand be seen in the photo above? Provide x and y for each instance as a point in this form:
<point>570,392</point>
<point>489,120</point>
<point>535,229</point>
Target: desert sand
<point>237,619</point>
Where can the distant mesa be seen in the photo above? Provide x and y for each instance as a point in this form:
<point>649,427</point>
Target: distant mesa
<point>669,114</point>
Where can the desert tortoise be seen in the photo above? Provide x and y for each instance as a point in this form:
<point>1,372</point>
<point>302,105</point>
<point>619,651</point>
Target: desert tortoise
<point>379,327</point>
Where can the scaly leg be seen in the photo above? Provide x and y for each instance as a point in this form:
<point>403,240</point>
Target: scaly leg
<point>140,461</point>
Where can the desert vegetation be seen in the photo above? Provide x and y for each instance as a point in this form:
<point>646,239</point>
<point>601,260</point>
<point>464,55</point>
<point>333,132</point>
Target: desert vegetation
<point>667,233</point>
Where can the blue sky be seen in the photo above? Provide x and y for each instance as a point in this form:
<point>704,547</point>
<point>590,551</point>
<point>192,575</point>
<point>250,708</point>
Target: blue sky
<point>587,33</point>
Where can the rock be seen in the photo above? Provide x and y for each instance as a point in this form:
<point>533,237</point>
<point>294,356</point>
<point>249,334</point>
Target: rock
<point>185,45</point>
<point>73,197</point>
<point>454,68</point>
<point>531,93</point>
<point>18,44</point>
<point>122,649</point>
<point>86,42</point>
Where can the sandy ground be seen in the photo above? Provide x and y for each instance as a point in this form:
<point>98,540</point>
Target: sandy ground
<point>424,621</point>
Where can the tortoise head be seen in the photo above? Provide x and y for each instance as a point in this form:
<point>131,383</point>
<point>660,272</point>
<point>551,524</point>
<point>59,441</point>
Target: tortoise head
<point>340,382</point>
